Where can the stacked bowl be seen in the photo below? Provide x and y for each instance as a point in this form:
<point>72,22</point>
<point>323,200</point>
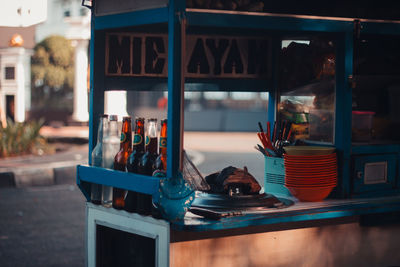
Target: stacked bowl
<point>310,171</point>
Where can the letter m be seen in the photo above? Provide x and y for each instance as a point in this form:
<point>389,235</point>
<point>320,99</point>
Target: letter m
<point>119,54</point>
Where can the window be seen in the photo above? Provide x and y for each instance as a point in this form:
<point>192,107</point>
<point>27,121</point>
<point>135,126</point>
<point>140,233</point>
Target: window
<point>83,11</point>
<point>9,73</point>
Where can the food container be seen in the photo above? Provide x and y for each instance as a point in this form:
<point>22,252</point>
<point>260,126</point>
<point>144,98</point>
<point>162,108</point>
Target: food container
<point>274,176</point>
<point>362,125</point>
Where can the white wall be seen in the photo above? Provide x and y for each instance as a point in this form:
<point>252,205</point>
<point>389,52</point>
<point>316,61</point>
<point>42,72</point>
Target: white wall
<point>22,13</point>
<point>75,26</point>
<point>20,87</point>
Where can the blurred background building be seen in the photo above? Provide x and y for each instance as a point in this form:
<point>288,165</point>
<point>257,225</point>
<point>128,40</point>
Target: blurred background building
<point>17,31</point>
<point>72,21</point>
<point>25,23</point>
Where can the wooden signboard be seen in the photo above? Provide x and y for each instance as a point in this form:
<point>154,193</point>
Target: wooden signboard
<point>146,55</point>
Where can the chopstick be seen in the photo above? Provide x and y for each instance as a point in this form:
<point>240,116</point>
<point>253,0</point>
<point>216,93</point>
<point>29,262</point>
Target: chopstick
<point>273,141</point>
<point>258,148</point>
<point>260,126</point>
<point>262,139</point>
<point>274,133</point>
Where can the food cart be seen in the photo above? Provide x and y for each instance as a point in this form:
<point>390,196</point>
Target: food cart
<point>136,45</point>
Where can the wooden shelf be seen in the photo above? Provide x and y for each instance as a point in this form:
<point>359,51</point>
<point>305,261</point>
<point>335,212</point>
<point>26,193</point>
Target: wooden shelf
<point>124,180</point>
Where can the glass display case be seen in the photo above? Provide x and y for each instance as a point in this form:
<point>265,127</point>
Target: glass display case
<point>307,88</point>
<point>376,89</point>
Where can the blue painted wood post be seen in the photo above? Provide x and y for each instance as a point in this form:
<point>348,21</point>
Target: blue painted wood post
<point>273,84</point>
<point>92,124</point>
<point>96,96</point>
<point>176,37</point>
<point>343,108</point>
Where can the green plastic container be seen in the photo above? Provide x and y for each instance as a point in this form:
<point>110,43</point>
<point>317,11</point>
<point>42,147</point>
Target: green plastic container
<point>274,177</point>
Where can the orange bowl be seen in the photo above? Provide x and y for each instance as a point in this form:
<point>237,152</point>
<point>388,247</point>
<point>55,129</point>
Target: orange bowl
<point>321,184</point>
<point>309,150</point>
<point>303,180</point>
<point>310,179</point>
<point>300,181</point>
<point>314,160</point>
<point>312,172</point>
<point>310,161</point>
<point>310,194</point>
<point>309,157</point>
<point>324,169</point>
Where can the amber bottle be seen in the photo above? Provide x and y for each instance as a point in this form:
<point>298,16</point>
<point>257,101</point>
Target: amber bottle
<point>120,160</point>
<point>161,161</point>
<point>147,162</point>
<point>133,162</point>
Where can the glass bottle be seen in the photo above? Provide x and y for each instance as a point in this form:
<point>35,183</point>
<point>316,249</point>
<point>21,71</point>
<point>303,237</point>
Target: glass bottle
<point>147,162</point>
<point>120,160</point>
<point>133,162</point>
<point>110,149</point>
<point>147,165</point>
<point>97,158</point>
<point>161,161</point>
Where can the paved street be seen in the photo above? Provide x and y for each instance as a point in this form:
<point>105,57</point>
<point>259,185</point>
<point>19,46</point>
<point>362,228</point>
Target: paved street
<point>42,226</point>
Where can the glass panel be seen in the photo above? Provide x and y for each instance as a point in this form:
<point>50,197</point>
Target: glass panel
<point>307,88</point>
<point>148,104</point>
<point>376,89</point>
<point>220,130</point>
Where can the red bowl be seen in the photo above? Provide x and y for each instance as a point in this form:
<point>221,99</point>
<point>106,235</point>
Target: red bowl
<point>311,194</point>
<point>310,180</point>
<point>302,159</point>
<point>311,162</point>
<point>294,180</point>
<point>299,179</point>
<point>311,174</point>
<point>324,184</point>
<point>305,166</point>
<point>307,157</point>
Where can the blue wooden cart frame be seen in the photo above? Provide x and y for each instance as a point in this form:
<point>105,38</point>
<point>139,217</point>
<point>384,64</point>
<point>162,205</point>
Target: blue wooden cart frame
<point>174,16</point>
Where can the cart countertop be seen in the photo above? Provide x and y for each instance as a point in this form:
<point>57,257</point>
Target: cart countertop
<point>299,212</point>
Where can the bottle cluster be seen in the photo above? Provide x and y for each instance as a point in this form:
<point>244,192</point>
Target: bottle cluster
<point>142,152</point>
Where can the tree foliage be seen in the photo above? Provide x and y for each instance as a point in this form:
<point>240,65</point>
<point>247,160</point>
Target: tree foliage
<point>53,73</point>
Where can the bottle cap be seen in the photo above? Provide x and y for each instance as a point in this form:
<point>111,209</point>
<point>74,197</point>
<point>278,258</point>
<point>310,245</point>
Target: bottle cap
<point>113,117</point>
